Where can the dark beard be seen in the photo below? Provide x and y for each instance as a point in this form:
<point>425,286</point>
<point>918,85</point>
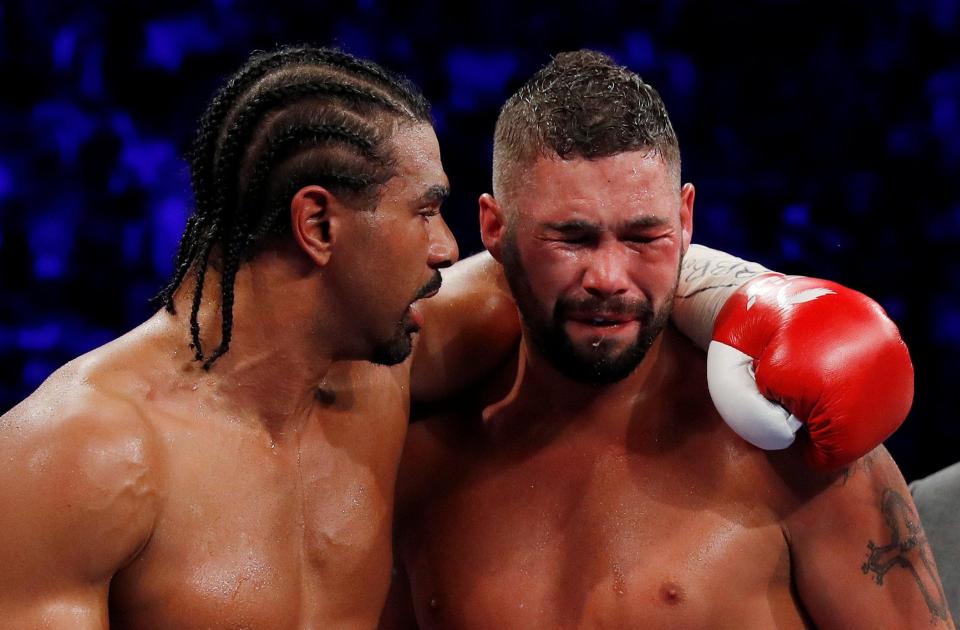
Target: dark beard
<point>595,365</point>
<point>396,349</point>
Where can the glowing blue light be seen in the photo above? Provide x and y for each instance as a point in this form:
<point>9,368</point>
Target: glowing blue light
<point>796,215</point>
<point>478,77</point>
<point>167,219</point>
<point>790,248</point>
<point>169,41</point>
<point>639,53</point>
<point>946,325</point>
<point>64,45</point>
<point>41,337</point>
<point>7,184</point>
<point>148,159</point>
<point>65,125</point>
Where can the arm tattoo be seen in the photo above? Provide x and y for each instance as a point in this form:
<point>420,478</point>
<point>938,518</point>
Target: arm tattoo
<point>720,271</point>
<point>864,464</point>
<point>908,549</point>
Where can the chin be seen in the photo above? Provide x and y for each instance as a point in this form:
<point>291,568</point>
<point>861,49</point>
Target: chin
<point>394,351</point>
<point>604,370</point>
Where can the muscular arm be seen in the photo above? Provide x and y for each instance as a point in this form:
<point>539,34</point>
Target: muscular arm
<point>860,556</point>
<point>78,504</point>
<point>471,326</point>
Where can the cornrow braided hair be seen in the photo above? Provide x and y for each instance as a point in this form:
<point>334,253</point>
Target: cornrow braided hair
<point>289,118</point>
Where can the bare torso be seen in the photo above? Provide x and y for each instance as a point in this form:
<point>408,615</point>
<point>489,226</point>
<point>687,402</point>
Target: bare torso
<point>664,520</point>
<point>251,528</point>
<point>258,532</point>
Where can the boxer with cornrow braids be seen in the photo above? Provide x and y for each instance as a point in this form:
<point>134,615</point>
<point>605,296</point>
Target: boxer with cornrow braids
<point>286,119</point>
<point>189,486</point>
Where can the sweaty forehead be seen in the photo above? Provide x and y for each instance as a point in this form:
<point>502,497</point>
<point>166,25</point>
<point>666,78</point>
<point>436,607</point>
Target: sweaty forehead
<point>418,155</point>
<point>626,180</point>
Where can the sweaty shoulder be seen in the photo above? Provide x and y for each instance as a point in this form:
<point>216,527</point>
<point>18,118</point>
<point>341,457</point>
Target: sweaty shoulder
<point>78,479</point>
<point>471,328</point>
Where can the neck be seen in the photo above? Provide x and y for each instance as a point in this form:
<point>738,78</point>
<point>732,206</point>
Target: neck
<point>280,345</point>
<point>543,395</point>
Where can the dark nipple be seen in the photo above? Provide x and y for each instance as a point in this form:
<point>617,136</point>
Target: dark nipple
<point>671,593</point>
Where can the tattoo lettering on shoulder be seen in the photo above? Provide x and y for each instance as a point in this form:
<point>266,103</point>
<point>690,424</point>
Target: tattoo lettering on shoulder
<point>908,549</point>
<point>862,465</point>
<point>718,274</point>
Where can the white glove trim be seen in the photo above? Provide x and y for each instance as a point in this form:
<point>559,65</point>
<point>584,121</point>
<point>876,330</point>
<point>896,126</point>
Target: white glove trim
<point>733,387</point>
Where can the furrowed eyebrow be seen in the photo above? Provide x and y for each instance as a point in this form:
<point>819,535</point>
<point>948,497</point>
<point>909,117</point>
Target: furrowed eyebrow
<point>436,194</point>
<point>645,222</point>
<point>580,226</point>
<point>573,225</point>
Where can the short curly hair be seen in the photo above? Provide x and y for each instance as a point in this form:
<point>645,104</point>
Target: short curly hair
<point>580,105</point>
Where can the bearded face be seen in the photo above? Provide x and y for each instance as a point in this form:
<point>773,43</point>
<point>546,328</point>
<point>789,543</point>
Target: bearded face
<point>599,358</point>
<point>592,250</point>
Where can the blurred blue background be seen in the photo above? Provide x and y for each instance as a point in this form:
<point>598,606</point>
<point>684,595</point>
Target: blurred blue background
<point>824,139</point>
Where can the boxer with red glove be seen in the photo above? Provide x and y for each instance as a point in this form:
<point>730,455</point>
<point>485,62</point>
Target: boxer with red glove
<point>792,352</point>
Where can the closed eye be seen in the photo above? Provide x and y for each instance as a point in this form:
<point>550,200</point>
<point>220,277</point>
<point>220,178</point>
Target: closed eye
<point>572,232</point>
<point>643,240</point>
<point>575,239</point>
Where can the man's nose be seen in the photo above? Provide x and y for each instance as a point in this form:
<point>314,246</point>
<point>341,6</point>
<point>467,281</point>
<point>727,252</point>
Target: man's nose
<point>607,271</point>
<point>443,247</point>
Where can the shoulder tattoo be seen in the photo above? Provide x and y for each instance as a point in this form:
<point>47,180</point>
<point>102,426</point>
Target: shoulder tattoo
<point>908,550</point>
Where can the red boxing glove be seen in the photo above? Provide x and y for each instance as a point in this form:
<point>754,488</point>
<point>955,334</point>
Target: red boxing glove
<point>823,357</point>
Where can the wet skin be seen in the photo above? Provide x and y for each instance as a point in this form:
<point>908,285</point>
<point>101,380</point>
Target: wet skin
<point>141,491</point>
<point>262,531</point>
<point>542,501</point>
<point>644,515</point>
<point>641,510</point>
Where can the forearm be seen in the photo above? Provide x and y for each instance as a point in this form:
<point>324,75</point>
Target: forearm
<point>708,277</point>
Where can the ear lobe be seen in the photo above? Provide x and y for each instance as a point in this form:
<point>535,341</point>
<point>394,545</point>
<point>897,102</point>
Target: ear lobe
<point>312,215</point>
<point>492,225</point>
<point>687,195</point>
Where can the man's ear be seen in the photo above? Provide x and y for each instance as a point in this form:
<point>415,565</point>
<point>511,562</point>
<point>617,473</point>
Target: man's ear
<point>493,225</point>
<point>687,195</point>
<point>314,218</point>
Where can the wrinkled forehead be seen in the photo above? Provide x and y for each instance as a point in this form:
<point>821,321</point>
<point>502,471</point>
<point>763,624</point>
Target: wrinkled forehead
<point>636,179</point>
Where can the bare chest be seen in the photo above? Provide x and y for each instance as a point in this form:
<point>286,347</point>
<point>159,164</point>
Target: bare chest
<point>597,539</point>
<point>260,535</point>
